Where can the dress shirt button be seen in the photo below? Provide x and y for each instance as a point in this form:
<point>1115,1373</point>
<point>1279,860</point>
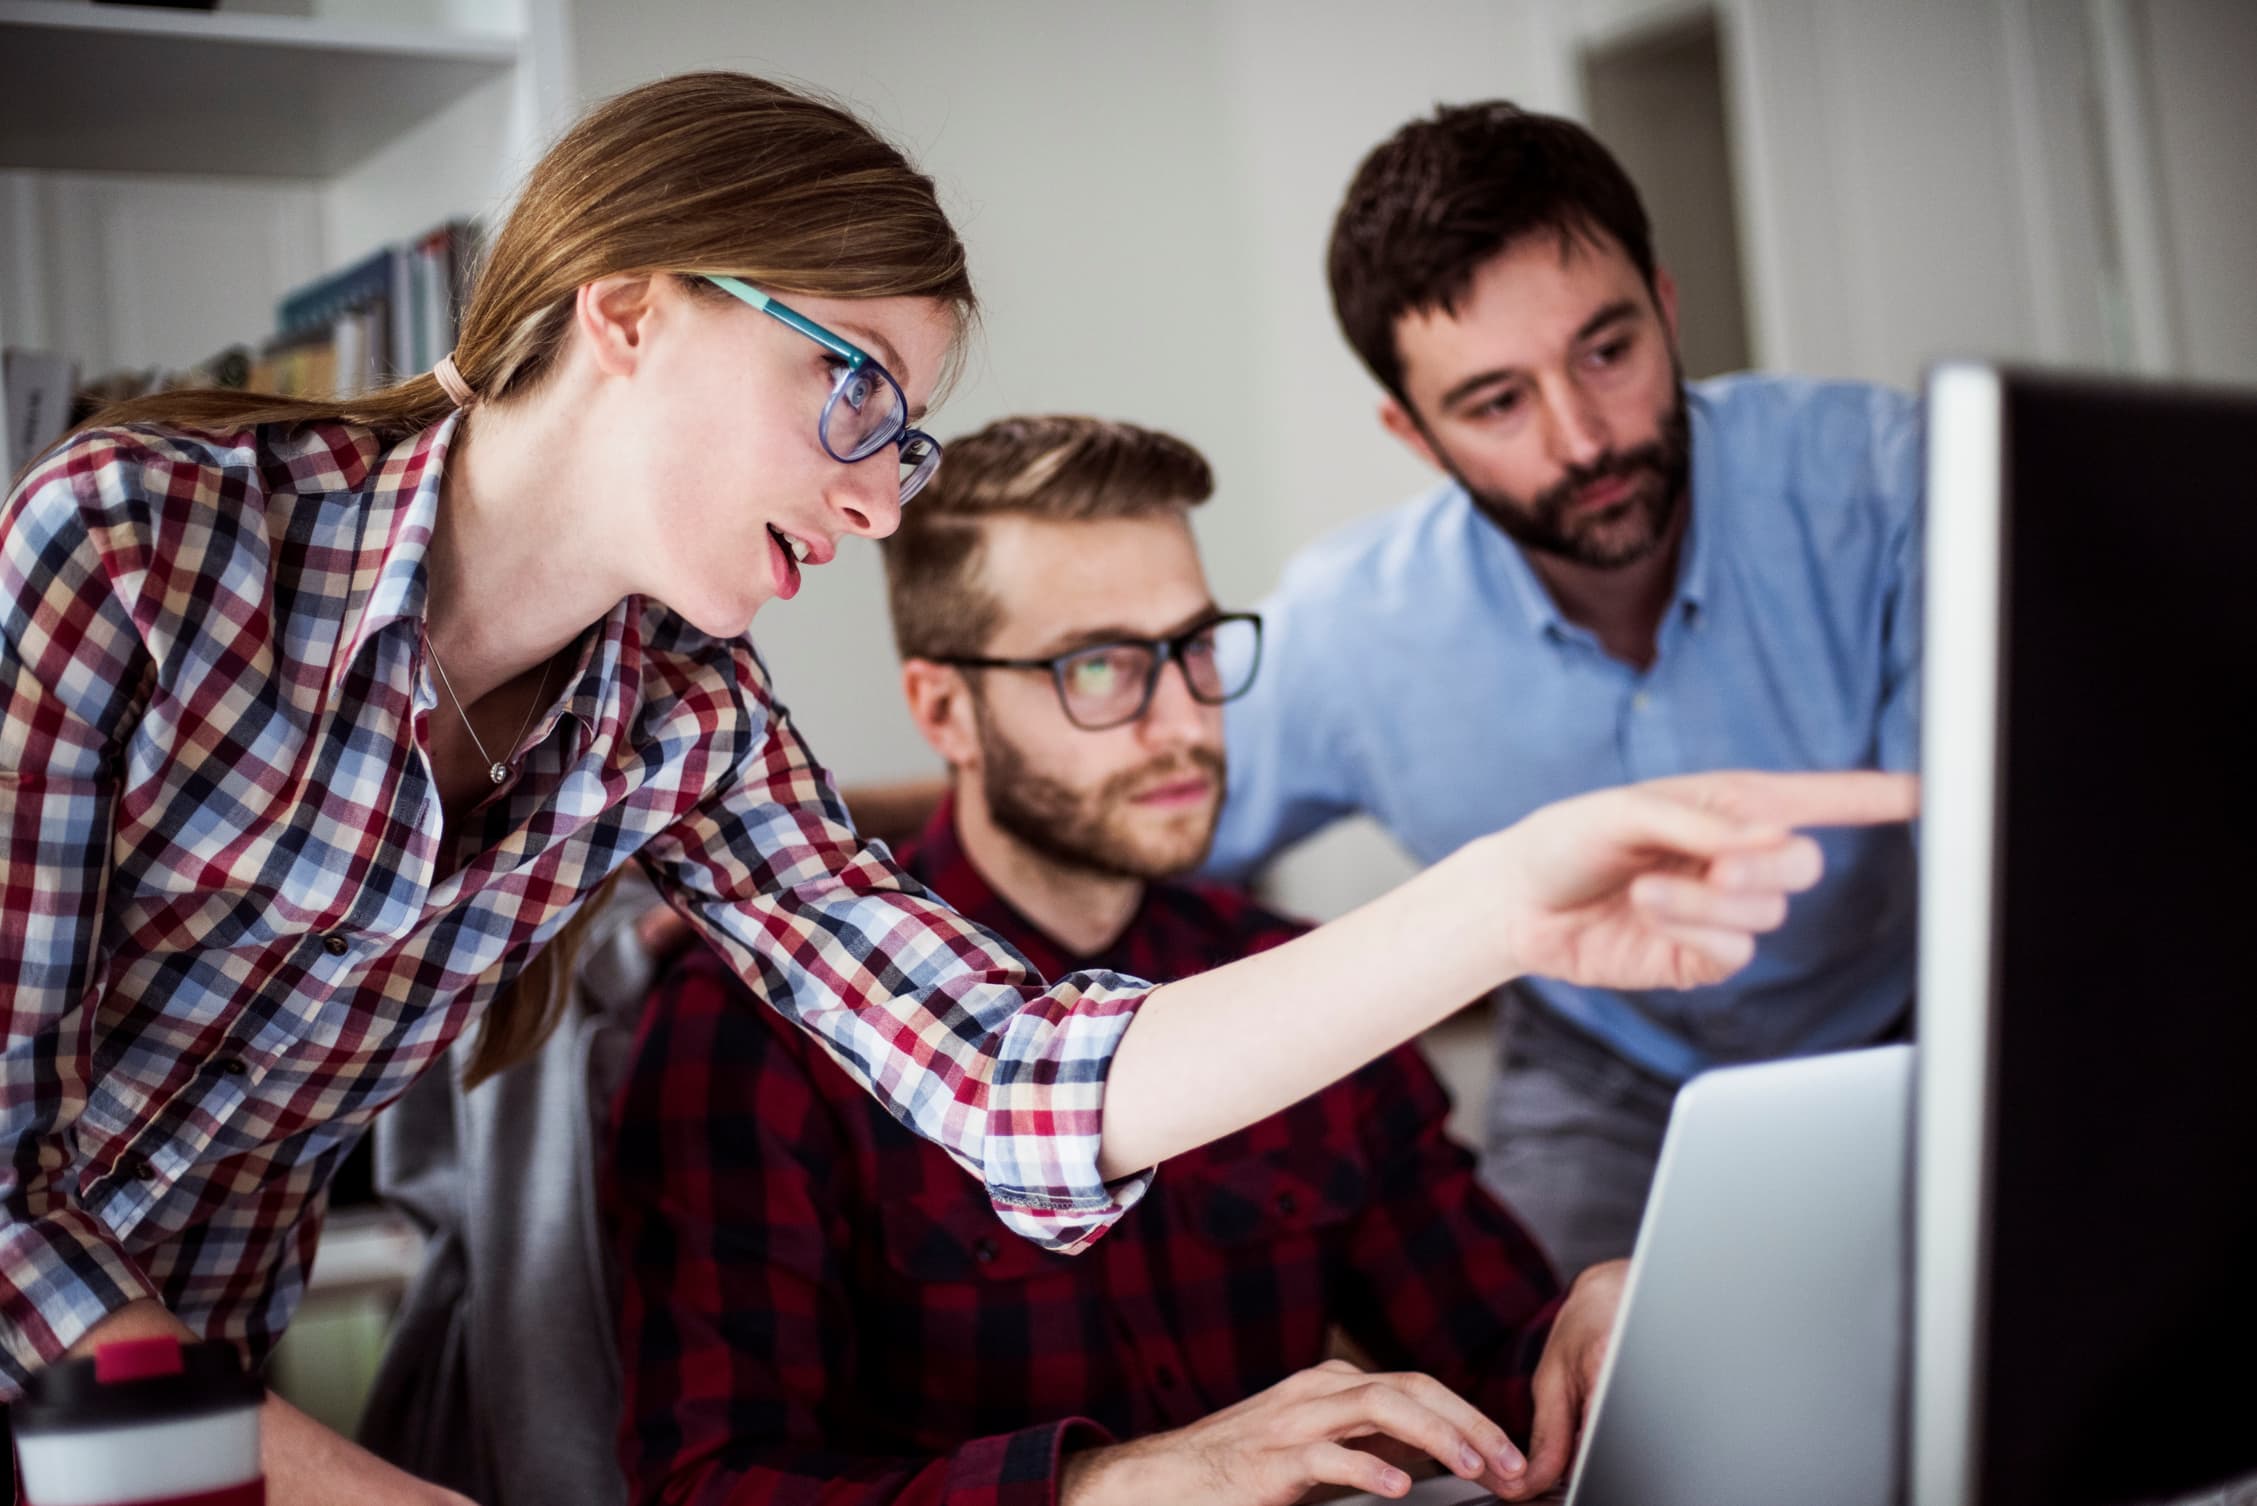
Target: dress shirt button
<point>1641,701</point>
<point>335,944</point>
<point>1166,1376</point>
<point>232,1066</point>
<point>983,1251</point>
<point>138,1168</point>
<point>1288,1204</point>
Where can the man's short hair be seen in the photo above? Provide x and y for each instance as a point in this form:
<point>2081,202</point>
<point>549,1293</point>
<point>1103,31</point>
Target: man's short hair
<point>1442,196</point>
<point>1061,469</point>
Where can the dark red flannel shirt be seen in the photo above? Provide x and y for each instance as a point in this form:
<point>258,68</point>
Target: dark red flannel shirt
<point>818,1306</point>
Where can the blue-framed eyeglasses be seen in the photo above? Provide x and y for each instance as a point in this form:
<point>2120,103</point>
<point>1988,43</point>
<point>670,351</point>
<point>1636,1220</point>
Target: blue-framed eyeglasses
<point>866,410</point>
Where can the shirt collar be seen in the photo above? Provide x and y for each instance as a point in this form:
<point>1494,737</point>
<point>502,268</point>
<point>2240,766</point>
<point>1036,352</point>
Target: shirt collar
<point>602,660</point>
<point>400,503</point>
<point>1527,589</point>
<point>940,863</point>
<point>401,500</point>
<point>1504,559</point>
<point>1707,490</point>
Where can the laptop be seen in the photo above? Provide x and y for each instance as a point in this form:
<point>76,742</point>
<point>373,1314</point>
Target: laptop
<point>1759,1354</point>
<point>1758,1358</point>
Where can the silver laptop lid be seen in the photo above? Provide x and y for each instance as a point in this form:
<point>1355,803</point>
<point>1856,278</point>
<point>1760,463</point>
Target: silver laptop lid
<point>1758,1356</point>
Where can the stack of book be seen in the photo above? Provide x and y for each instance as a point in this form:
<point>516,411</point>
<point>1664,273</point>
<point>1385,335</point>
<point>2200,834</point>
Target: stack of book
<point>385,317</point>
<point>388,316</point>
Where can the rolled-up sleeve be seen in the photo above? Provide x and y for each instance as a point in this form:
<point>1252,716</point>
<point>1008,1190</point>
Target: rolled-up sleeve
<point>71,663</point>
<point>948,1026</point>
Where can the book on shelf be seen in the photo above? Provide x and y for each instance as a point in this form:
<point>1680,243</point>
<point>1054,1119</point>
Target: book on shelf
<point>387,316</point>
<point>37,388</point>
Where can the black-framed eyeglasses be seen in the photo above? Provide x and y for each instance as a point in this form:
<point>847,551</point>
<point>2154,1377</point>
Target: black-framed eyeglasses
<point>866,410</point>
<point>1109,685</point>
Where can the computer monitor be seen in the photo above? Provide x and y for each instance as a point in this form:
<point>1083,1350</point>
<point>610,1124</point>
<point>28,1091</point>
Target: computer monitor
<point>2085,1240</point>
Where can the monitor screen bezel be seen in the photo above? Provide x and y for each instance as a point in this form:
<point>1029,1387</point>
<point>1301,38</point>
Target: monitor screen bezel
<point>1962,751</point>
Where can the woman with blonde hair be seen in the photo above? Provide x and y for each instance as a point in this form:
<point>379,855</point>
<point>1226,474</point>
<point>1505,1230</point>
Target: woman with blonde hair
<point>319,722</point>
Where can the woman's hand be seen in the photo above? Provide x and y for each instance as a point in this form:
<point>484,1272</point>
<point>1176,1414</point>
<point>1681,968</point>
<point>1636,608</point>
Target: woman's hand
<point>305,1464</point>
<point>1668,884</point>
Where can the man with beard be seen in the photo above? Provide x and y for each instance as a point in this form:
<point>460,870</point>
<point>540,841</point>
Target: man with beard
<point>818,1304</point>
<point>1624,575</point>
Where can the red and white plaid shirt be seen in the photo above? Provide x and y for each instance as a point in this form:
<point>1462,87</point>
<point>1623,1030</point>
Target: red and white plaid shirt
<point>222,946</point>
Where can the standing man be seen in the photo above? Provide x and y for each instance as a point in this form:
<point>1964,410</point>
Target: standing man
<point>818,1305</point>
<point>1622,575</point>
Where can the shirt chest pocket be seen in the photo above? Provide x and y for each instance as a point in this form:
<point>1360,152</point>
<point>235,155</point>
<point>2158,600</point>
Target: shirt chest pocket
<point>931,1240</point>
<point>1297,1190</point>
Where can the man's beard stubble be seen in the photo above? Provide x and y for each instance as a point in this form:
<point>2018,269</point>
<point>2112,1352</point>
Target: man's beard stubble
<point>1076,829</point>
<point>1622,535</point>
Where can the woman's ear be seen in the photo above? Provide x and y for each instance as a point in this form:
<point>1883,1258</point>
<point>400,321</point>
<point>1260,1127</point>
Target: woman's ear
<point>614,317</point>
<point>940,703</point>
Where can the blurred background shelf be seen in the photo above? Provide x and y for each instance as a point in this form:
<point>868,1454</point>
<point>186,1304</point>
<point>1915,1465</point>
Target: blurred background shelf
<point>166,176</point>
<point>215,92</point>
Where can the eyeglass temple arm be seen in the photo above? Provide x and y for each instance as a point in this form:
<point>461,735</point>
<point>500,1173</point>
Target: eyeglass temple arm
<point>1167,648</point>
<point>958,662</point>
<point>806,326</point>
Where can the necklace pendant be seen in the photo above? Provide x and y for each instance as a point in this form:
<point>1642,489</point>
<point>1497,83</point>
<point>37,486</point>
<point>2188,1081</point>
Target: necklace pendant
<point>499,772</point>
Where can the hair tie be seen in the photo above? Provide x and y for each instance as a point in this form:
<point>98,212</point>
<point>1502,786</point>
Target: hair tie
<point>451,382</point>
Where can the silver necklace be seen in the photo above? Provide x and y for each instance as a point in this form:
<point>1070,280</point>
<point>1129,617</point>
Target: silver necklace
<point>496,770</point>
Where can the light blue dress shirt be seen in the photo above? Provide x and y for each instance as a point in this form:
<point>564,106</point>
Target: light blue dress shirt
<point>1415,669</point>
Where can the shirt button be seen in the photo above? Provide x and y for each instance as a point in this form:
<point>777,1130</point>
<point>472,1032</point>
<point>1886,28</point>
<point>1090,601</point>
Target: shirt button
<point>1166,1376</point>
<point>138,1168</point>
<point>232,1066</point>
<point>1288,1204</point>
<point>335,944</point>
<point>1641,701</point>
<point>984,1252</point>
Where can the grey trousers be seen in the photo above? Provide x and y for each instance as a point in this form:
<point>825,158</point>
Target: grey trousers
<point>1573,1134</point>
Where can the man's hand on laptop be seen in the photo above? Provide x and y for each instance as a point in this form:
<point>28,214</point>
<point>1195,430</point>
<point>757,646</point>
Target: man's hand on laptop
<point>1329,1425</point>
<point>1568,1375</point>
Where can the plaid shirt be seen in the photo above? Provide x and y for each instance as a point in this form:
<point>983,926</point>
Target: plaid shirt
<point>223,946</point>
<point>818,1307</point>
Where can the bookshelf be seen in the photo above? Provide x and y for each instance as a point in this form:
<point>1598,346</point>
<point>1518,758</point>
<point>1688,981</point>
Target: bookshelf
<point>166,176</point>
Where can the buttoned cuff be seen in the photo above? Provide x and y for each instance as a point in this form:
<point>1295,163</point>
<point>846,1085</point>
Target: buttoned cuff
<point>1022,1468</point>
<point>1046,1113</point>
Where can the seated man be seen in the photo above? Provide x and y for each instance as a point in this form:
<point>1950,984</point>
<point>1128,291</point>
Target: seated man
<point>818,1305</point>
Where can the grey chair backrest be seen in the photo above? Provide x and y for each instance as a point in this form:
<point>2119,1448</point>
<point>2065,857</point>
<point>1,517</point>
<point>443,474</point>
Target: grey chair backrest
<point>501,1378</point>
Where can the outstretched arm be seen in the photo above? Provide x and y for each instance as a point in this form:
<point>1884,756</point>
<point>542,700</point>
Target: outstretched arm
<point>1659,885</point>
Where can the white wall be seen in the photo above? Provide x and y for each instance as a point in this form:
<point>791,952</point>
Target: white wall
<point>120,270</point>
<point>2201,61</point>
